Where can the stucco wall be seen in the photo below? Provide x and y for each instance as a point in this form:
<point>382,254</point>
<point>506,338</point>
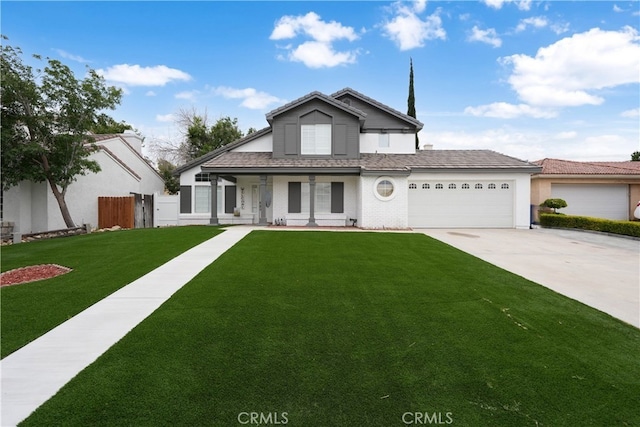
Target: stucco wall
<point>399,143</point>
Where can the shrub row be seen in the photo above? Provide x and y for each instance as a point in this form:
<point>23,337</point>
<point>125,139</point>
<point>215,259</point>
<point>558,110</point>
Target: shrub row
<point>627,228</point>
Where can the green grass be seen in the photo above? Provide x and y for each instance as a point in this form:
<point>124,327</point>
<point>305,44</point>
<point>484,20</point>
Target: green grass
<point>355,329</point>
<point>101,262</point>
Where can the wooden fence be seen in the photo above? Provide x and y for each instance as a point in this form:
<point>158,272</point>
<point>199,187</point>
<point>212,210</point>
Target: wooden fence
<point>116,211</point>
<point>135,211</point>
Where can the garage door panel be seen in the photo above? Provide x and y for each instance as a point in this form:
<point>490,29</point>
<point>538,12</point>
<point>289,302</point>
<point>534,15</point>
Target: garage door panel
<point>461,207</point>
<point>610,201</point>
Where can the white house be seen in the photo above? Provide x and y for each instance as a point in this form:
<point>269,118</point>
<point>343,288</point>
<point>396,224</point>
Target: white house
<point>347,159</point>
<point>33,208</point>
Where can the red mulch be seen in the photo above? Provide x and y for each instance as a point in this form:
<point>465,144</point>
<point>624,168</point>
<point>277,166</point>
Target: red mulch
<point>31,274</point>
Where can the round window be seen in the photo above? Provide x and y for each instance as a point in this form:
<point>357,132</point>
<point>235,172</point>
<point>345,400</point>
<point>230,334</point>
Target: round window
<point>384,188</point>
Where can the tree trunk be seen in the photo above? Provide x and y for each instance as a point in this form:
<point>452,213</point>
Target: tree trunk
<point>64,209</point>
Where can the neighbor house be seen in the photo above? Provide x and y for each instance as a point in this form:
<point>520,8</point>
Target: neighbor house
<point>608,190</point>
<point>346,159</point>
<point>33,208</point>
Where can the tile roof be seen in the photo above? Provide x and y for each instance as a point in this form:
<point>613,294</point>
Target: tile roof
<point>570,167</point>
<point>403,163</point>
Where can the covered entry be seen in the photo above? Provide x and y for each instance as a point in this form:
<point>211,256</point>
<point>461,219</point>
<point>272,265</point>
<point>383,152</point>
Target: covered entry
<point>461,204</point>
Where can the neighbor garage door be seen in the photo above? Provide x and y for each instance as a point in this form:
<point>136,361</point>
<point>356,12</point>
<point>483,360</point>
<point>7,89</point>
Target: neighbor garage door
<point>596,200</point>
<point>461,204</point>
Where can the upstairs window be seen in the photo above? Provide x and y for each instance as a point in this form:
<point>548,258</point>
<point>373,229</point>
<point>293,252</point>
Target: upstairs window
<point>316,139</point>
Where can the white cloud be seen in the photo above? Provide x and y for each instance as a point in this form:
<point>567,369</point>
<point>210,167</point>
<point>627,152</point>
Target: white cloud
<point>497,4</point>
<point>617,9</point>
<point>150,93</point>
<point>568,72</point>
<point>189,95</point>
<point>165,118</point>
<point>503,110</point>
<point>289,27</point>
<point>67,55</point>
<point>566,135</point>
<point>319,52</point>
<point>409,31</point>
<point>534,21</point>
<point>631,113</point>
<point>560,27</point>
<point>251,98</point>
<point>485,36</point>
<point>135,75</point>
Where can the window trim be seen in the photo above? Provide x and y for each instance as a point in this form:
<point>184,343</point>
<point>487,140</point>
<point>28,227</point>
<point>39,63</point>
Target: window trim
<point>394,188</point>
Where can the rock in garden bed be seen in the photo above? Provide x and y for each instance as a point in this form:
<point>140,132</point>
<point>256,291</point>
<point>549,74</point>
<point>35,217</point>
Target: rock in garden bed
<point>31,274</point>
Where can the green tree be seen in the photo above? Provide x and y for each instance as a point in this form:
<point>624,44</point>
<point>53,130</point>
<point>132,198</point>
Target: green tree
<point>171,183</point>
<point>554,204</point>
<point>201,139</point>
<point>46,116</point>
<point>411,100</point>
<point>106,124</point>
<point>635,156</point>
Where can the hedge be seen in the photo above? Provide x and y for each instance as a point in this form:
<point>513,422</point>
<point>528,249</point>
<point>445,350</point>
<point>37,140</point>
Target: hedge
<point>627,228</point>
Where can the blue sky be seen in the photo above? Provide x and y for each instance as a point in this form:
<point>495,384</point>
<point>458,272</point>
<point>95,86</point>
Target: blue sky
<point>530,79</point>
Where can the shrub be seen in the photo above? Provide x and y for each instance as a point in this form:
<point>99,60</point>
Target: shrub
<point>554,204</point>
<point>627,228</point>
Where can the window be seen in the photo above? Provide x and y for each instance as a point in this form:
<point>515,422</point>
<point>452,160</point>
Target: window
<point>439,186</point>
<point>504,186</point>
<point>316,139</point>
<point>203,177</point>
<point>329,197</point>
<point>452,186</point>
<point>478,186</point>
<point>384,188</point>
<point>492,186</point>
<point>383,140</point>
<point>413,186</point>
<point>203,199</point>
<point>465,186</point>
<point>425,186</point>
<point>322,200</point>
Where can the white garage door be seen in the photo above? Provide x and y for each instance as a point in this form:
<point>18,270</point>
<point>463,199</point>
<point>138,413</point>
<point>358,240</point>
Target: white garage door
<point>461,204</point>
<point>596,200</point>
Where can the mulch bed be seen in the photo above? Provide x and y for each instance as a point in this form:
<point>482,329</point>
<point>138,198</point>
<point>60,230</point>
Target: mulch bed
<point>31,274</point>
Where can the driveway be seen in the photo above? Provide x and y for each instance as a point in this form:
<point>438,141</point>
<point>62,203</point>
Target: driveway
<point>598,270</point>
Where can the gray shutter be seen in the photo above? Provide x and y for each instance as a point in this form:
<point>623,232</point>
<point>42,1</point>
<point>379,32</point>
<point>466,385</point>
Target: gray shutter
<point>290,139</point>
<point>295,197</point>
<point>337,197</point>
<point>229,198</point>
<point>340,140</point>
<point>185,199</point>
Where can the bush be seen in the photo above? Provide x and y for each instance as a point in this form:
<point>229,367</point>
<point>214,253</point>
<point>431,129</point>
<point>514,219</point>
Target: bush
<point>627,228</point>
<point>554,204</point>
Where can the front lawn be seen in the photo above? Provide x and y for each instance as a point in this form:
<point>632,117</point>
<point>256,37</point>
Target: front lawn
<point>359,329</point>
<point>101,262</point>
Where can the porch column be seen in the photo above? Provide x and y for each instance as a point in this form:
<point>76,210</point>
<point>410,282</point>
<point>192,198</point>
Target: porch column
<point>262,219</point>
<point>214,200</point>
<point>312,201</point>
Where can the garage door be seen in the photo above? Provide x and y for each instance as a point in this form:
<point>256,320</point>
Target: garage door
<point>461,204</point>
<point>596,200</point>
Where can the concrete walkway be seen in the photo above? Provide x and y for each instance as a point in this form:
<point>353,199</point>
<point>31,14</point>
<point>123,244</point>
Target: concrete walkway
<point>34,373</point>
<point>598,270</point>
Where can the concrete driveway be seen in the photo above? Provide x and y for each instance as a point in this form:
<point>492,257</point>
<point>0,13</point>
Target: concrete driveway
<point>598,270</point>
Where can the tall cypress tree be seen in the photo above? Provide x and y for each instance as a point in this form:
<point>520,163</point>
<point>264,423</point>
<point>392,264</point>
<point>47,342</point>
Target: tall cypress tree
<point>411,101</point>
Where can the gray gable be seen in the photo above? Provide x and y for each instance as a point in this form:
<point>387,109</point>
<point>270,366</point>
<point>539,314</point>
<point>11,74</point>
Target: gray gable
<point>311,96</point>
<point>379,116</point>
